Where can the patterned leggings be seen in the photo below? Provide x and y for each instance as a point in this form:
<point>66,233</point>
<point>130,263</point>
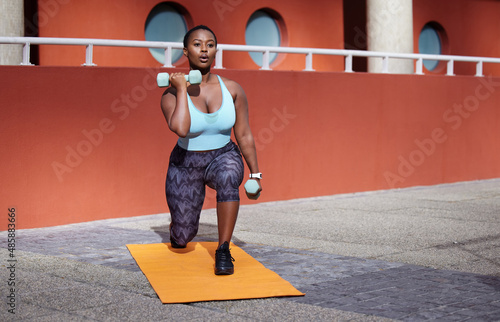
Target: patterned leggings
<point>188,173</point>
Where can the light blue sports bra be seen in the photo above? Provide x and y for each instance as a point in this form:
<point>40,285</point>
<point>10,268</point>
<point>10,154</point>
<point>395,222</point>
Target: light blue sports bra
<point>210,131</point>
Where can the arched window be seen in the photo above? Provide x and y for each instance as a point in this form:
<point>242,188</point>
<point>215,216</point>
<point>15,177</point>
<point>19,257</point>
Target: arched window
<point>262,30</point>
<point>431,41</point>
<point>165,23</point>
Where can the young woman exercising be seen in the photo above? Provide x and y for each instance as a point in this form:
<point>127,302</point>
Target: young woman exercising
<point>203,116</point>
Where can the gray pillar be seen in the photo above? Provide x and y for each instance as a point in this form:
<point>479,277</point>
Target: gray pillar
<point>390,29</point>
<point>11,25</point>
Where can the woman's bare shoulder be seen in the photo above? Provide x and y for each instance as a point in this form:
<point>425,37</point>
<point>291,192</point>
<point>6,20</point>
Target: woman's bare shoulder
<point>232,85</point>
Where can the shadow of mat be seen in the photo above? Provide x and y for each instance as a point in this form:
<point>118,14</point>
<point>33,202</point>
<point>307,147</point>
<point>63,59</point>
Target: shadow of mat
<point>187,275</point>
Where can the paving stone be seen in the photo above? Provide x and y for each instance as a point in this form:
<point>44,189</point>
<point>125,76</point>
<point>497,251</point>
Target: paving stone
<point>363,288</point>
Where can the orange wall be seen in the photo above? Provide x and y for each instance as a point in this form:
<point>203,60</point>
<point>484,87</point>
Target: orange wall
<point>87,143</point>
<point>472,28</point>
<point>305,26</point>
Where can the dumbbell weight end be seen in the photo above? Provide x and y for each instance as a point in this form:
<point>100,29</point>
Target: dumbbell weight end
<point>162,79</point>
<point>251,187</point>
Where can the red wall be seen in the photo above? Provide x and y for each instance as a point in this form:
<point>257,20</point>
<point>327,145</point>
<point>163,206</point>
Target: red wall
<point>87,143</point>
<point>318,26</point>
<point>472,28</point>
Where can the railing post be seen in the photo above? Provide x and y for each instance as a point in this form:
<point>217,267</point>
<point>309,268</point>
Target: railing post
<point>168,57</point>
<point>348,64</point>
<point>419,69</point>
<point>449,68</point>
<point>218,59</point>
<point>385,64</point>
<point>88,55</point>
<point>26,55</point>
<point>265,60</point>
<point>309,62</point>
<point>479,68</point>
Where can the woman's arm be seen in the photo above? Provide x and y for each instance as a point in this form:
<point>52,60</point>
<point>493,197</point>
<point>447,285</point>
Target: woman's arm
<point>242,130</point>
<point>175,106</point>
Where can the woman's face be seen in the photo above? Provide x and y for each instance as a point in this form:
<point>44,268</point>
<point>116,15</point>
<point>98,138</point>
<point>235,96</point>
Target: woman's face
<point>201,49</point>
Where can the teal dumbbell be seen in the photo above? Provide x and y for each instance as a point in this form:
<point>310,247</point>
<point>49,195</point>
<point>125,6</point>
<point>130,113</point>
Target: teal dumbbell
<point>194,77</point>
<point>251,188</point>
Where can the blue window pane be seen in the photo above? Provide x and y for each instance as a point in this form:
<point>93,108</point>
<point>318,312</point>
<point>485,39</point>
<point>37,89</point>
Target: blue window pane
<point>164,23</point>
<point>429,42</point>
<point>262,30</point>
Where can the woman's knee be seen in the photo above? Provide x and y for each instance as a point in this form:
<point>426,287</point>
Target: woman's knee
<point>182,235</point>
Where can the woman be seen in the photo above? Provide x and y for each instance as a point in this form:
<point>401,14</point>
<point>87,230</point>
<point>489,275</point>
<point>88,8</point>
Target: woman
<point>203,116</point>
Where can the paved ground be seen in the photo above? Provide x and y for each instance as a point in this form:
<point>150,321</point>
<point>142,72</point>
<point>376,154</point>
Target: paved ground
<point>412,254</point>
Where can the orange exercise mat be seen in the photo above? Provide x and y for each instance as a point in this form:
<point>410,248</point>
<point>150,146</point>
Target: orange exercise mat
<point>187,275</point>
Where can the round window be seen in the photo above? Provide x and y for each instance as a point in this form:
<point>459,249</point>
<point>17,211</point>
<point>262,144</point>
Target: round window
<point>165,23</point>
<point>262,30</point>
<point>430,42</point>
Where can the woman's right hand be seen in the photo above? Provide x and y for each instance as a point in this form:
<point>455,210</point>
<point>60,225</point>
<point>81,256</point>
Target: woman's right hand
<point>178,81</point>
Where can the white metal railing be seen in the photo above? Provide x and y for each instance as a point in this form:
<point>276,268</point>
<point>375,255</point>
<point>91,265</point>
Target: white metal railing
<point>265,50</point>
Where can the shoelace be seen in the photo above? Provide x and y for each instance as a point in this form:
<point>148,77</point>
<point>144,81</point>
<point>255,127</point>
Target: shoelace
<point>224,254</point>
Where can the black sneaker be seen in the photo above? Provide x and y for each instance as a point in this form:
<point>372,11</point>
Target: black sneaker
<point>224,260</point>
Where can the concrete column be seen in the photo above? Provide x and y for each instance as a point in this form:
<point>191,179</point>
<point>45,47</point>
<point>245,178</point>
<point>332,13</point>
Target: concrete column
<point>11,25</point>
<point>390,29</point>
